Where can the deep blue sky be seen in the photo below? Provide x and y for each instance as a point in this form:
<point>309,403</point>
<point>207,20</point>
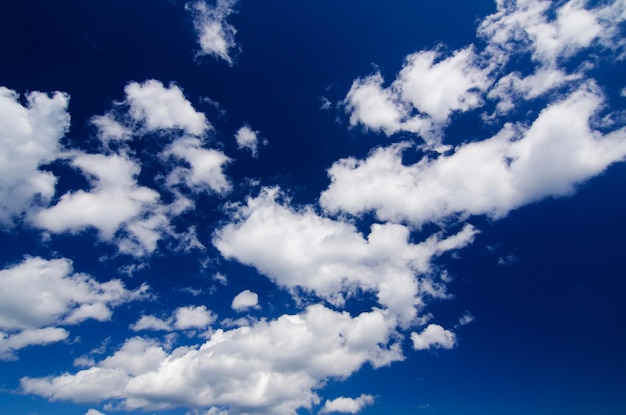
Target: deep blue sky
<point>539,282</point>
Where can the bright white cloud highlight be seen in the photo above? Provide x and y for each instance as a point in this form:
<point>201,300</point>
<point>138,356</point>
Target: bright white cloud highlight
<point>517,166</point>
<point>183,318</point>
<point>433,337</point>
<point>245,300</point>
<point>270,367</point>
<point>37,294</point>
<point>29,138</point>
<point>216,36</point>
<point>298,248</point>
<point>347,405</point>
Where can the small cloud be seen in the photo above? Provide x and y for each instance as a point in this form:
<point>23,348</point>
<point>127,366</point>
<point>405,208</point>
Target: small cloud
<point>326,104</point>
<point>245,300</point>
<point>221,278</point>
<point>94,412</point>
<point>433,336</point>
<point>466,319</point>
<point>347,405</point>
<point>249,139</point>
<point>216,36</point>
<point>509,259</point>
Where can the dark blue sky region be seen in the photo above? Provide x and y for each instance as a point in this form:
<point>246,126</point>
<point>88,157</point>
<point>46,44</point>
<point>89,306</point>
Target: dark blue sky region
<point>241,207</point>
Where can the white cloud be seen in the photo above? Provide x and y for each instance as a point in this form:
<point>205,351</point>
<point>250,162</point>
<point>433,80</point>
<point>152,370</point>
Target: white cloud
<point>244,300</point>
<point>94,412</point>
<point>151,323</point>
<point>158,107</point>
<point>298,248</point>
<point>269,367</point>
<point>193,317</point>
<point>347,405</point>
<point>29,138</point>
<point>109,129</point>
<point>216,36</point>
<point>37,294</point>
<point>115,202</point>
<point>517,166</point>
<point>206,166</point>
<point>465,319</point>
<point>183,318</point>
<point>249,139</point>
<point>433,336</point>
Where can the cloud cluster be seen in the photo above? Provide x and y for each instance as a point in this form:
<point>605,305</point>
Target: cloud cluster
<point>183,318</point>
<point>431,85</point>
<point>300,249</point>
<point>37,296</point>
<point>270,367</point>
<point>518,165</point>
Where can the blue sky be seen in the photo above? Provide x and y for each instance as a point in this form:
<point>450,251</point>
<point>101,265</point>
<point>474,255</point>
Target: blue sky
<point>313,207</point>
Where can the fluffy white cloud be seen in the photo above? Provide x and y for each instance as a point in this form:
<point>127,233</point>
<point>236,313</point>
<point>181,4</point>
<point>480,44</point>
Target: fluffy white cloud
<point>429,84</point>
<point>110,129</point>
<point>183,318</point>
<point>29,138</point>
<point>37,294</point>
<point>433,336</point>
<point>115,202</point>
<point>193,317</point>
<point>270,367</point>
<point>347,405</point>
<point>216,36</point>
<point>205,171</point>
<point>244,300</point>
<point>249,139</point>
<point>517,166</point>
<point>94,412</point>
<point>299,248</point>
<point>158,107</point>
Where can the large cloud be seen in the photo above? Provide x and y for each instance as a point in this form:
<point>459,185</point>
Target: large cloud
<point>29,138</point>
<point>270,367</point>
<point>298,248</point>
<point>37,294</point>
<point>516,166</point>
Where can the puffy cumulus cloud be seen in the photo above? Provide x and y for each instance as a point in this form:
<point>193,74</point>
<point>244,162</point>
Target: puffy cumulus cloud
<point>433,336</point>
<point>38,294</point>
<point>94,412</point>
<point>183,318</point>
<point>115,202</point>
<point>550,32</point>
<point>430,86</point>
<point>347,405</point>
<point>205,170</point>
<point>216,36</point>
<point>29,138</point>
<point>110,129</point>
<point>299,248</point>
<point>426,91</point>
<point>517,166</point>
<point>158,107</point>
<point>245,300</point>
<point>247,138</point>
<point>269,367</point>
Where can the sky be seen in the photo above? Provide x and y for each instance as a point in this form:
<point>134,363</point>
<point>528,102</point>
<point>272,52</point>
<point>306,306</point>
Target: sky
<point>240,207</point>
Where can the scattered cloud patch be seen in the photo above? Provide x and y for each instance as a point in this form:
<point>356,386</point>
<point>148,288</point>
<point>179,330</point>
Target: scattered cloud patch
<point>245,300</point>
<point>216,37</point>
<point>183,318</point>
<point>433,337</point>
<point>38,295</point>
<point>249,139</point>
<point>347,405</point>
